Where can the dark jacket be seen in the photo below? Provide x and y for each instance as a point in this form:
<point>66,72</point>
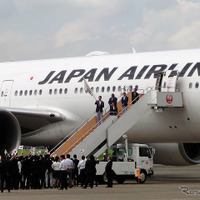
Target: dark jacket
<point>26,166</point>
<point>14,170</point>
<point>124,100</point>
<point>3,168</point>
<point>99,106</point>
<point>108,168</point>
<point>35,167</point>
<point>135,97</point>
<point>90,167</point>
<point>48,165</point>
<point>113,101</point>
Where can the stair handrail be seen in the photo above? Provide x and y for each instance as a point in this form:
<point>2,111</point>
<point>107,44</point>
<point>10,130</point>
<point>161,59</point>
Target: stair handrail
<point>81,138</point>
<point>77,128</point>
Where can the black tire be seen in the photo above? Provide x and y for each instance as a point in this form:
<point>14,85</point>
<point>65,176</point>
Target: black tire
<point>143,176</point>
<point>105,180</point>
<point>120,179</point>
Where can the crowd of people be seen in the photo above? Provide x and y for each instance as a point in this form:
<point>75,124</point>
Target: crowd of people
<point>37,172</point>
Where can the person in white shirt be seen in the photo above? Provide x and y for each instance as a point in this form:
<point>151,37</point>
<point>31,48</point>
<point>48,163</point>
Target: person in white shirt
<point>63,173</point>
<point>56,171</point>
<point>81,166</point>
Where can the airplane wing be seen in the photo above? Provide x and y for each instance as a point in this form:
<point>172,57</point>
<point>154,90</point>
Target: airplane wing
<point>33,119</point>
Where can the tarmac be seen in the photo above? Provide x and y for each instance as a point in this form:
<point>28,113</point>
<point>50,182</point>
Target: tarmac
<point>166,183</point>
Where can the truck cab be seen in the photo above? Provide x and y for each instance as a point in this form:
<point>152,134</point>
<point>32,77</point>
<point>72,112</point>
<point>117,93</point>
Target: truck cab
<point>140,154</point>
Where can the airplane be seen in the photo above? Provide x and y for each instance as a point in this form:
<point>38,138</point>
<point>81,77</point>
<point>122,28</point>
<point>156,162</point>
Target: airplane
<point>42,101</point>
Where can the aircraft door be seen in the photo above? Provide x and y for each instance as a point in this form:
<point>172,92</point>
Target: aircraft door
<point>5,92</point>
<point>159,81</point>
<point>165,83</point>
<point>169,83</point>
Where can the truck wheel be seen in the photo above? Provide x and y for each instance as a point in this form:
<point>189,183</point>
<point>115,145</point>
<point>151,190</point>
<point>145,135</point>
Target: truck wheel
<point>105,178</point>
<point>120,179</point>
<point>143,177</point>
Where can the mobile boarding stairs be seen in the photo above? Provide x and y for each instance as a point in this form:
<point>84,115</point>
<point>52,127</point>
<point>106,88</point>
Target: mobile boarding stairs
<point>88,138</point>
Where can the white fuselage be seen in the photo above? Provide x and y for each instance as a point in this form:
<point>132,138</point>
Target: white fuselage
<point>58,85</point>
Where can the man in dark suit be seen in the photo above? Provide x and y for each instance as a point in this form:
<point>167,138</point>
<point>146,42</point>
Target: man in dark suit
<point>99,110</point>
<point>135,96</point>
<point>124,102</point>
<point>4,177</point>
<point>113,105</point>
<point>108,171</point>
<point>26,166</point>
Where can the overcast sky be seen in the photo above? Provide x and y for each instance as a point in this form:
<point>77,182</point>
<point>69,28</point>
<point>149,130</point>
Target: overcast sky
<point>37,29</point>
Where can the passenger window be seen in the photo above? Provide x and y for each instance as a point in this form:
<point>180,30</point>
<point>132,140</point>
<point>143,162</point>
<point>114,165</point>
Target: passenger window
<point>65,90</point>
<point>30,92</point>
<point>119,88</point>
<point>197,85</point>
<point>55,91</point>
<point>102,89</point>
<point>81,90</point>
<point>76,90</point>
<point>114,88</point>
<point>108,89</point>
<point>35,92</point>
<point>97,89</point>
<point>92,89</point>
<point>190,85</point>
<point>131,87</point>
<point>60,91</point>
<point>50,91</point>
<point>40,92</point>
<point>21,93</point>
<point>26,92</point>
<point>16,93</point>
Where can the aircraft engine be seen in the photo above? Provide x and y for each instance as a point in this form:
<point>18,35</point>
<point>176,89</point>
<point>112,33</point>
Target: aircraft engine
<point>10,132</point>
<point>181,154</point>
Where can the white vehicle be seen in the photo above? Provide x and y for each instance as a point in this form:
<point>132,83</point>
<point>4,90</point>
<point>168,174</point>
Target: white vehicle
<point>139,157</point>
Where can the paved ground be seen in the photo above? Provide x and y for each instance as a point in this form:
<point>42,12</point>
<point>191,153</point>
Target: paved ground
<point>167,183</point>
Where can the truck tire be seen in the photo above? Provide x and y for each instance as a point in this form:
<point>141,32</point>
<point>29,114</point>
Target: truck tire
<point>143,176</point>
<point>120,179</point>
<point>105,178</point>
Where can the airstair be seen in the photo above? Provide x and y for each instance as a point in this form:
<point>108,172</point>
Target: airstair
<point>82,131</point>
<point>92,139</point>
